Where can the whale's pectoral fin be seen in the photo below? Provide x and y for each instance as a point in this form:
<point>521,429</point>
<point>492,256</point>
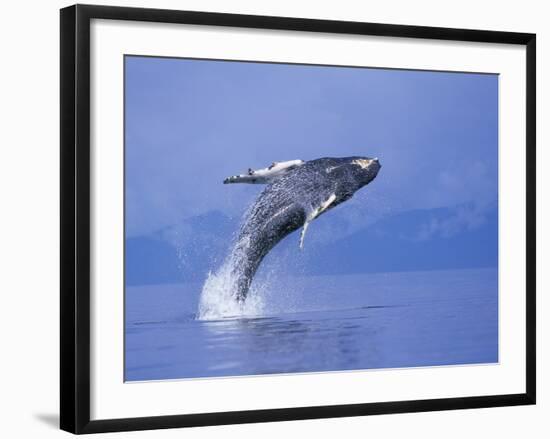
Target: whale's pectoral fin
<point>265,175</point>
<point>303,233</point>
<point>314,214</point>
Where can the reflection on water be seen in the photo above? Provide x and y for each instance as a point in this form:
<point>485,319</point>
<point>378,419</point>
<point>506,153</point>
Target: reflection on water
<point>340,323</point>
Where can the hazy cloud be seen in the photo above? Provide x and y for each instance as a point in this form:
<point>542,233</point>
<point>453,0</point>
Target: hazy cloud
<point>192,123</point>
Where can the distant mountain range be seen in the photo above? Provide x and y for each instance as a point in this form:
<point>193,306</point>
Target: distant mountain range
<point>433,239</point>
<point>413,241</point>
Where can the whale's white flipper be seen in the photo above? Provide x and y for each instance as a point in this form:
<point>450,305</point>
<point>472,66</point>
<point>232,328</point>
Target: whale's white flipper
<point>303,233</point>
<point>314,214</point>
<point>265,175</point>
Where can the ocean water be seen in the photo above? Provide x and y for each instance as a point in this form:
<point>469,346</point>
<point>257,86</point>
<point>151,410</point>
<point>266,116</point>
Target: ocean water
<point>315,324</point>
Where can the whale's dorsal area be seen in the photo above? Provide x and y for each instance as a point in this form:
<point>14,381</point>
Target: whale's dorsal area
<point>265,175</point>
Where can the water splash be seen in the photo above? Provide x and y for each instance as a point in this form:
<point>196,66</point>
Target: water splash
<point>218,297</point>
<point>276,288</point>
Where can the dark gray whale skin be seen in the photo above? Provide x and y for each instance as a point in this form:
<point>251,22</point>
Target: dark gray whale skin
<point>285,203</point>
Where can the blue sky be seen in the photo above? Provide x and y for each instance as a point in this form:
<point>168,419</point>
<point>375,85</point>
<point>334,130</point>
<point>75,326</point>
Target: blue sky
<point>191,123</point>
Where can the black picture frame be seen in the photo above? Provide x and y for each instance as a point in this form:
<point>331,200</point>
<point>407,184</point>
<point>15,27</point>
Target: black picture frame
<point>75,217</point>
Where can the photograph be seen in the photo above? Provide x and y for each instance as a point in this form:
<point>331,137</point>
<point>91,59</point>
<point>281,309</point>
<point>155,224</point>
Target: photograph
<point>288,218</point>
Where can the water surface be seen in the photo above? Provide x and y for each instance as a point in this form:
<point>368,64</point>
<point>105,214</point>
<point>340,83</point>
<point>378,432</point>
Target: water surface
<point>315,324</point>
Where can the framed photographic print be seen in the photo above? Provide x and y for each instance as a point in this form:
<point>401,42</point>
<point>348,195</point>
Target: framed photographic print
<point>268,218</point>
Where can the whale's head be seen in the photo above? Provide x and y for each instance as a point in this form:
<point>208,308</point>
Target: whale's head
<point>363,169</point>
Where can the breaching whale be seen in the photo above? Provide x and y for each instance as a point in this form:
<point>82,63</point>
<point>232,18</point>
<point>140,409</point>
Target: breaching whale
<point>297,192</point>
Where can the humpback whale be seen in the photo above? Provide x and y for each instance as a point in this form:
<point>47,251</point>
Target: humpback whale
<point>297,193</point>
